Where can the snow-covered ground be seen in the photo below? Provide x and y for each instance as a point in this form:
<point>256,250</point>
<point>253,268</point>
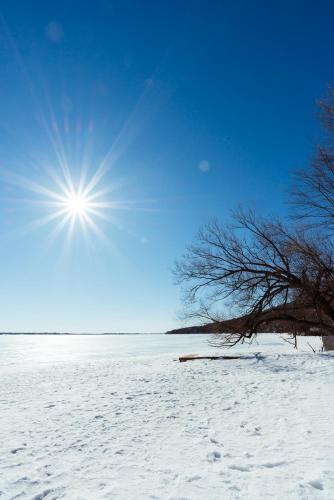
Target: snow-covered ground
<point>101,418</point>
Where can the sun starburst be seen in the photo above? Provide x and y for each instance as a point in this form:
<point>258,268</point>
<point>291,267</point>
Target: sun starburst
<point>67,203</point>
<point>73,204</point>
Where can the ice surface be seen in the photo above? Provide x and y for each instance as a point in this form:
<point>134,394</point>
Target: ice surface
<point>118,418</point>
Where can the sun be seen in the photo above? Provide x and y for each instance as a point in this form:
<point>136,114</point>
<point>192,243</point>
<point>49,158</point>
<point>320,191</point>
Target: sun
<point>77,205</point>
<point>74,200</point>
<point>70,202</point>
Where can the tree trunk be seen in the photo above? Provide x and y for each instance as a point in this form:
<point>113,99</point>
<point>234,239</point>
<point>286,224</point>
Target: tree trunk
<point>328,343</point>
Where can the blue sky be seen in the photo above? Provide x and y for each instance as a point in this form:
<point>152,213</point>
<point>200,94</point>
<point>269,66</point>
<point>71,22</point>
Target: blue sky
<point>194,108</point>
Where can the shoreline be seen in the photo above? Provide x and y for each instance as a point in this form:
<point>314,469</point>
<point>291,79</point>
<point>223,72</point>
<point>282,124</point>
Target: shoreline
<point>79,334</point>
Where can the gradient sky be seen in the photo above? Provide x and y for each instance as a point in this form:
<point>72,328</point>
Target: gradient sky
<point>195,107</point>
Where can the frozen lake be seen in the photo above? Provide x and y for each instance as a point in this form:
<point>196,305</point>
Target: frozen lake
<point>101,417</point>
<point>43,349</point>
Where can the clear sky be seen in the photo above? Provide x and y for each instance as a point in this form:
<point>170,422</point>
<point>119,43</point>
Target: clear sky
<point>176,111</point>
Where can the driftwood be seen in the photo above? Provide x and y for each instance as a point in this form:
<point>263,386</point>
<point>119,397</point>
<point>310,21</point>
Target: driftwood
<point>191,357</point>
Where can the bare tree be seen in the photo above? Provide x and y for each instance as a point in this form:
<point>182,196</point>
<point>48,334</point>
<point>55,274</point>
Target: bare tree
<point>270,273</point>
<point>313,196</point>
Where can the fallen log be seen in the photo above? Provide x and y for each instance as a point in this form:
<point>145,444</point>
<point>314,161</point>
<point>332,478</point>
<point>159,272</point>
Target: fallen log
<point>191,357</point>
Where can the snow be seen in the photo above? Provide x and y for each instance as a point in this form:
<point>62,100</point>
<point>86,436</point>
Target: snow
<point>101,418</point>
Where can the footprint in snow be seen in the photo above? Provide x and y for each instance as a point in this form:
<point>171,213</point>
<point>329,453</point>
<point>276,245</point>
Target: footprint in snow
<point>15,450</point>
<point>42,495</point>
<point>214,456</point>
<point>315,483</point>
<point>271,465</point>
<point>213,437</point>
<point>241,468</point>
<point>193,478</point>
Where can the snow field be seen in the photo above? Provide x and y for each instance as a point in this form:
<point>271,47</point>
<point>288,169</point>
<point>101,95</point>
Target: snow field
<point>152,428</point>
